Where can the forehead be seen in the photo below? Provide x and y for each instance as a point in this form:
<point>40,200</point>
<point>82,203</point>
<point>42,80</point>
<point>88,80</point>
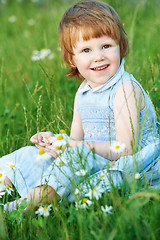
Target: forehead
<point>85,33</point>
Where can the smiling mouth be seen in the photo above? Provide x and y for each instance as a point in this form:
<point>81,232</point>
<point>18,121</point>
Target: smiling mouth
<point>100,68</point>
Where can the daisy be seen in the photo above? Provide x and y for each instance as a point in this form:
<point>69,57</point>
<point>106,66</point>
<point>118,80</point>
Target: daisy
<point>117,147</point>
<point>107,209</point>
<point>44,53</point>
<point>59,139</point>
<point>76,192</point>
<point>44,211</point>
<point>95,193</point>
<point>12,19</point>
<point>2,187</point>
<point>2,176</point>
<point>12,165</point>
<point>85,203</point>
<point>8,190</point>
<point>137,176</point>
<point>42,155</point>
<point>81,173</point>
<point>2,194</point>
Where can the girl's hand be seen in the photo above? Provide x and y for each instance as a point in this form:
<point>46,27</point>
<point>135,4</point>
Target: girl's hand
<point>41,138</point>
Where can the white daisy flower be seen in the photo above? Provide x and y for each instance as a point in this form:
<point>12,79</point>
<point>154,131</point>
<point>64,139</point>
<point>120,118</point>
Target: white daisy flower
<point>12,165</point>
<point>117,147</point>
<point>2,193</point>
<point>31,22</point>
<point>85,203</point>
<point>8,190</point>
<point>44,211</point>
<point>44,53</point>
<point>95,193</point>
<point>137,176</point>
<point>12,19</point>
<point>76,192</point>
<point>59,140</point>
<point>43,155</point>
<point>2,187</point>
<point>81,172</point>
<point>2,176</point>
<point>107,209</point>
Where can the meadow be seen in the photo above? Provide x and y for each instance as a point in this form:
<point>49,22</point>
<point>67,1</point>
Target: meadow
<point>35,95</point>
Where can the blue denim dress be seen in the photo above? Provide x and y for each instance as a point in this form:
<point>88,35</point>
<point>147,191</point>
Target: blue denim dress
<point>95,107</point>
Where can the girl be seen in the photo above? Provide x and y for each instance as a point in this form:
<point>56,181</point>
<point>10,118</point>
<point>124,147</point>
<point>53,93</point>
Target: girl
<point>114,125</point>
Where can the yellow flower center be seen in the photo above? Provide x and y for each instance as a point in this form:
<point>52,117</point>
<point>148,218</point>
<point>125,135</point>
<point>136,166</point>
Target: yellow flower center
<point>62,131</point>
<point>12,166</point>
<point>61,162</point>
<point>0,182</point>
<point>112,164</point>
<point>59,137</point>
<point>1,174</point>
<point>41,152</point>
<point>45,208</point>
<point>117,147</point>
<point>58,148</point>
<point>102,176</point>
<point>94,190</point>
<point>84,200</point>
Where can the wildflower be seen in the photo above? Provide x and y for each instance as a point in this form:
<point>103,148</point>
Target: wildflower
<point>12,19</point>
<point>112,164</point>
<point>85,203</point>
<point>2,193</point>
<point>81,172</point>
<point>42,155</point>
<point>137,176</point>
<point>95,193</point>
<point>107,209</point>
<point>8,190</point>
<point>2,187</point>
<point>44,211</point>
<point>31,22</point>
<point>12,165</point>
<point>40,55</point>
<point>76,192</point>
<point>51,56</point>
<point>2,176</point>
<point>59,139</point>
<point>117,147</point>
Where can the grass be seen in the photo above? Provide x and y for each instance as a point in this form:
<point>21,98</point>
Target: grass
<point>36,96</point>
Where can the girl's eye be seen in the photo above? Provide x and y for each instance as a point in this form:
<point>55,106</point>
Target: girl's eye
<point>106,46</point>
<point>86,50</point>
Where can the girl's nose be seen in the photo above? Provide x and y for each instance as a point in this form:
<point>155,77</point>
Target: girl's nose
<point>98,56</point>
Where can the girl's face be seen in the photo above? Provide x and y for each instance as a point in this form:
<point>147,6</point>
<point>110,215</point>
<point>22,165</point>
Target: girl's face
<point>97,59</point>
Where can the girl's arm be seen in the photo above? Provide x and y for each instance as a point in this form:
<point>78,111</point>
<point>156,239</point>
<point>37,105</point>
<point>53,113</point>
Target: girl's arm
<point>127,103</point>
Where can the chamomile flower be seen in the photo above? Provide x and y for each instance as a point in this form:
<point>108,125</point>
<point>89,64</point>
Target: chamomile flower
<point>12,165</point>
<point>2,176</point>
<point>59,140</point>
<point>42,54</point>
<point>137,176</point>
<point>95,193</point>
<point>2,193</point>
<point>106,209</point>
<point>12,19</point>
<point>8,190</point>
<point>117,147</point>
<point>2,187</point>
<point>76,192</point>
<point>81,173</point>
<point>84,203</point>
<point>43,155</point>
<point>44,211</point>
<point>31,22</point>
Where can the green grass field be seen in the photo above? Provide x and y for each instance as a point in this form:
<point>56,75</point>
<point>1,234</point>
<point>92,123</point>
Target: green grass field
<point>37,96</point>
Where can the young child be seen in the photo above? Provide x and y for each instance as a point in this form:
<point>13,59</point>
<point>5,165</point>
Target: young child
<point>114,125</point>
